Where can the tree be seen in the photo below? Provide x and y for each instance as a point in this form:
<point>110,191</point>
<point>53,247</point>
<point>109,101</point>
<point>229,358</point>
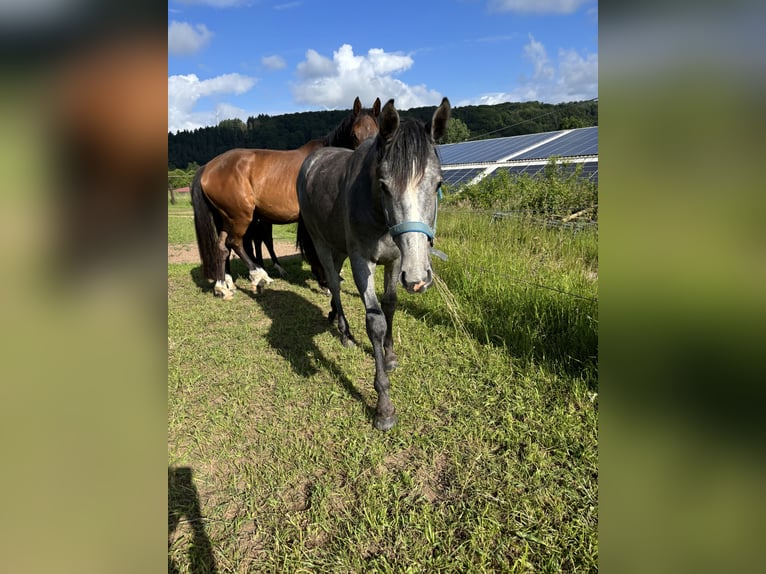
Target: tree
<point>288,131</point>
<point>457,131</point>
<point>233,124</point>
<point>571,122</point>
<point>179,178</point>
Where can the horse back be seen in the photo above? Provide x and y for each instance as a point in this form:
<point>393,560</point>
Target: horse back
<point>243,181</point>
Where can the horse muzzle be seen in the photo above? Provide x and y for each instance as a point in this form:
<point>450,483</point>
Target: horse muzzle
<point>418,285</point>
<point>415,241</point>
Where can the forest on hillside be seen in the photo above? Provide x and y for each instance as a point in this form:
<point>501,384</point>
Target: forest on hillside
<point>289,131</point>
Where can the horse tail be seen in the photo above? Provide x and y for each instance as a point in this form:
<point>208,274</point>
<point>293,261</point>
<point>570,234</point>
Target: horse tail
<point>309,253</point>
<point>206,224</point>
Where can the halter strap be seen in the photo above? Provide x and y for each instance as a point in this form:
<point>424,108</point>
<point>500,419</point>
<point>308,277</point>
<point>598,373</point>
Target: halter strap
<point>417,226</point>
<point>409,226</point>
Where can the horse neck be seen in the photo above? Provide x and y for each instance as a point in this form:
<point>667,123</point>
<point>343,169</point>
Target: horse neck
<point>341,135</point>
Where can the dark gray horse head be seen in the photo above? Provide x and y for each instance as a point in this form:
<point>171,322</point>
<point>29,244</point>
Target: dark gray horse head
<point>408,176</point>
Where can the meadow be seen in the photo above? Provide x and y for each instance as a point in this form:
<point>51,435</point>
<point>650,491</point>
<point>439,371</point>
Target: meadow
<point>273,462</point>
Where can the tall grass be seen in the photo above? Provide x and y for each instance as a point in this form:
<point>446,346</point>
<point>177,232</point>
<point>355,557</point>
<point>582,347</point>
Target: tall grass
<point>556,192</point>
<point>527,283</point>
<point>524,286</point>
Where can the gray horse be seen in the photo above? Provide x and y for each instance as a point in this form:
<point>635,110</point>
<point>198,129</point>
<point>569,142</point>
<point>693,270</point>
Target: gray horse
<point>375,205</point>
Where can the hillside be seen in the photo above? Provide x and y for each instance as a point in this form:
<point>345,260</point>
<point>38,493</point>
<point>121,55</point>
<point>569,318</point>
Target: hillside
<point>289,131</point>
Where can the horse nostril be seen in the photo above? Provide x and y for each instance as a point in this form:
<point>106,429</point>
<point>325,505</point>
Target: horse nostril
<point>416,286</point>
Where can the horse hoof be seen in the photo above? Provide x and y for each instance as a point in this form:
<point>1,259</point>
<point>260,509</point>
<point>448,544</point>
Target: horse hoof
<point>348,342</point>
<point>222,291</point>
<point>258,276</point>
<point>391,365</point>
<point>384,423</point>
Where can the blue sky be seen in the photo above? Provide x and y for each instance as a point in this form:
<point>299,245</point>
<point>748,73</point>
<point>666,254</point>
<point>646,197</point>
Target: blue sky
<point>240,58</point>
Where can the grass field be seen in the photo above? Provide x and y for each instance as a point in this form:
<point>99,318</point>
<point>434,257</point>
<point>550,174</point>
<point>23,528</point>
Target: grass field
<point>273,463</point>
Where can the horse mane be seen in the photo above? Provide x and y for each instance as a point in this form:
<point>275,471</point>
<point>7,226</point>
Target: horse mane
<point>408,153</point>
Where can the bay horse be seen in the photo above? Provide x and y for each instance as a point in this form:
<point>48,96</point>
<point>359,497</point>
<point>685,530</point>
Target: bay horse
<point>375,205</point>
<point>242,184</point>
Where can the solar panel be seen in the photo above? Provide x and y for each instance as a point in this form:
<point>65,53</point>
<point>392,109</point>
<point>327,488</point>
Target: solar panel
<point>460,176</point>
<point>589,169</point>
<point>488,150</point>
<point>583,141</point>
<point>477,156</point>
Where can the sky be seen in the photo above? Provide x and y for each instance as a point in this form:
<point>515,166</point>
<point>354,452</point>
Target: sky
<point>241,58</point>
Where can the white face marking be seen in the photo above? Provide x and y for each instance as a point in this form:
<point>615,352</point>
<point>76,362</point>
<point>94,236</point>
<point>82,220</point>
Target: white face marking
<point>410,205</point>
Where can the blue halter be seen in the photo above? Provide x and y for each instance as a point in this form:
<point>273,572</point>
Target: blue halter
<point>408,226</point>
<point>417,226</point>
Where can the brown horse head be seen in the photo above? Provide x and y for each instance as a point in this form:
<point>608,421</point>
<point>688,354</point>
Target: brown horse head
<point>359,125</point>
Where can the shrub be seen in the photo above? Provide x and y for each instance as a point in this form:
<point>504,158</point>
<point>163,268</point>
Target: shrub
<point>557,191</point>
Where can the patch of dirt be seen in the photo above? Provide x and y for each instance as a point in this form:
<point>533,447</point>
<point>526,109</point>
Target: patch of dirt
<point>190,254</point>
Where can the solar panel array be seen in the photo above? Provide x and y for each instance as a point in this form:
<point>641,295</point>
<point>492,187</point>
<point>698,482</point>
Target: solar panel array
<point>464,161</point>
<point>461,175</point>
<point>589,169</point>
<point>488,150</point>
<point>583,141</point>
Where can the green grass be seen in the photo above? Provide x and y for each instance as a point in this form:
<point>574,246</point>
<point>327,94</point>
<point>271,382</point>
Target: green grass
<point>492,466</point>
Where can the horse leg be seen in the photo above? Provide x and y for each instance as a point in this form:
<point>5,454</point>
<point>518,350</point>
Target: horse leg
<point>388,303</point>
<point>267,236</point>
<point>330,264</point>
<point>258,276</point>
<point>377,331</point>
<point>238,234</point>
<point>224,286</point>
<point>251,237</point>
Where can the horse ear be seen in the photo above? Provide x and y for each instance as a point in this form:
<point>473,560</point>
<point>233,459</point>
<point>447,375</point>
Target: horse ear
<point>438,124</point>
<point>389,121</point>
<point>376,107</point>
<point>357,106</point>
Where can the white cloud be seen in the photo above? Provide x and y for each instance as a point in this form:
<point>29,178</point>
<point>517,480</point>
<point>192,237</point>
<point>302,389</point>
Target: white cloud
<point>574,77</point>
<point>535,52</point>
<point>183,39</point>
<point>334,83</point>
<point>536,6</point>
<point>184,91</point>
<point>315,66</point>
<point>273,62</point>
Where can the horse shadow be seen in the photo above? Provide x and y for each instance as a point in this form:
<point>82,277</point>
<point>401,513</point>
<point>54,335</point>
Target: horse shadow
<point>295,322</point>
<point>183,503</point>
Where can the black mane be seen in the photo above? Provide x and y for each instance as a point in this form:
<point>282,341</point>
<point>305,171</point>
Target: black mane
<point>407,155</point>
